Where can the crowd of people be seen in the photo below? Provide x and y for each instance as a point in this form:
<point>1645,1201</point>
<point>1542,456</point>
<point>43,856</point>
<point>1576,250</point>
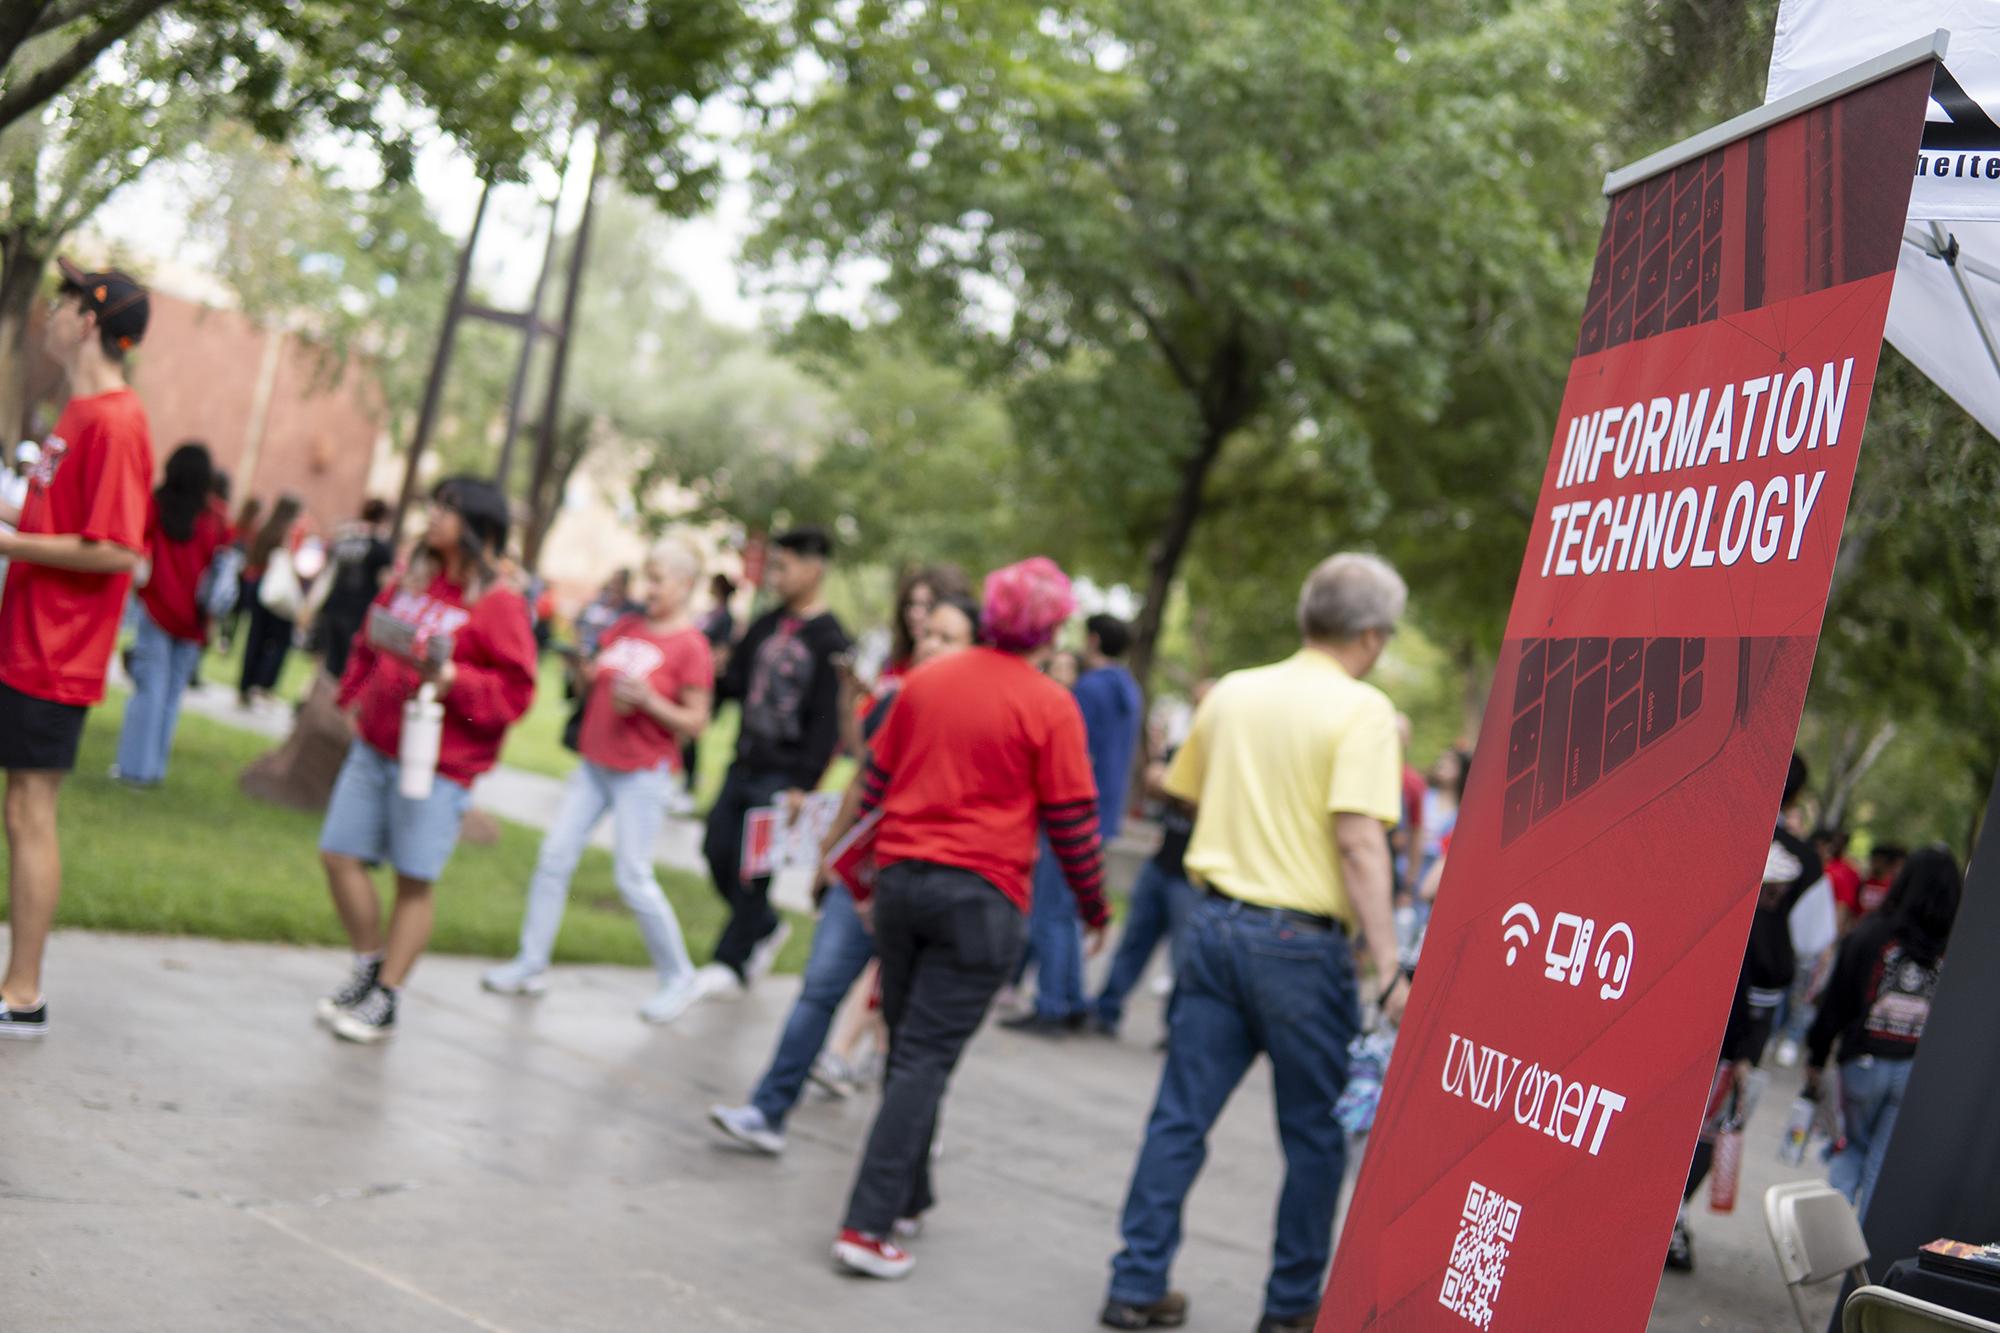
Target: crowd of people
<point>1841,967</point>
<point>1299,852</point>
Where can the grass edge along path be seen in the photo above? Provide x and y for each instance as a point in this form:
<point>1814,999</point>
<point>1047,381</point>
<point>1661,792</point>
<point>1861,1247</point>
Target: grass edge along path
<point>197,857</point>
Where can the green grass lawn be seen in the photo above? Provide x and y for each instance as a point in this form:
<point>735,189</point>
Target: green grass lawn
<point>535,742</point>
<point>197,857</point>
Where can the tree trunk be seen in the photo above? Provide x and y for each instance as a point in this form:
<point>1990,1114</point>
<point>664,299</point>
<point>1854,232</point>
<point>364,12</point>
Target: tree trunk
<point>1841,784</point>
<point>21,268</point>
<point>572,442</point>
<point>1164,561</point>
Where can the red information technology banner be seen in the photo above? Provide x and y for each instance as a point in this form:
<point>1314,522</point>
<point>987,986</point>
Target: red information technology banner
<point>1549,1080</point>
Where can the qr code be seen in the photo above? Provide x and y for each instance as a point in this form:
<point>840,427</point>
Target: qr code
<point>1486,1229</point>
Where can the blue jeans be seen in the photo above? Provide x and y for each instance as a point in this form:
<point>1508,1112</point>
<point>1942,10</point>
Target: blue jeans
<point>1249,982</point>
<point>841,948</point>
<point>1055,935</point>
<point>1871,1095</point>
<point>637,803</point>
<point>1159,906</point>
<point>161,667</point>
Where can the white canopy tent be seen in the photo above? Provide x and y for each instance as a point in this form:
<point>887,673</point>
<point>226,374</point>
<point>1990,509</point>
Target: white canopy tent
<point>1945,313</point>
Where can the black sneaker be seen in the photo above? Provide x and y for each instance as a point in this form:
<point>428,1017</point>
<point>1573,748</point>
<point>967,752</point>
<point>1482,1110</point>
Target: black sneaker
<point>24,1024</point>
<point>359,982</point>
<point>1044,1025</point>
<point>1170,1311</point>
<point>1680,1248</point>
<point>370,1021</point>
<point>1297,1323</point>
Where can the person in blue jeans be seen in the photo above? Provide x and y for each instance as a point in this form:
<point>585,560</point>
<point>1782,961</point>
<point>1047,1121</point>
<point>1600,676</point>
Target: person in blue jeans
<point>1161,899</point>
<point>1113,711</point>
<point>1295,774</point>
<point>1875,1008</point>
<point>842,944</point>
<point>182,536</point>
<point>647,689</point>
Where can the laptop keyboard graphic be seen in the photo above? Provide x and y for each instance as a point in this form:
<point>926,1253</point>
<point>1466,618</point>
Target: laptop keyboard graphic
<point>1582,708</point>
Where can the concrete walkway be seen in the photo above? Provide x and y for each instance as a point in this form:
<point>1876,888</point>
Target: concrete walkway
<point>187,1151</point>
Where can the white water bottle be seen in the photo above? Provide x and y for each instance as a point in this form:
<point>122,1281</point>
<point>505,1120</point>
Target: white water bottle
<point>423,733</point>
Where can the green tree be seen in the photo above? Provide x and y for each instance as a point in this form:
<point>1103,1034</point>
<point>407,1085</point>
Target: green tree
<point>505,79</point>
<point>1216,251</point>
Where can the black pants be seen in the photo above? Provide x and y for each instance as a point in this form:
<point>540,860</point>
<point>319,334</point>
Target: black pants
<point>947,939</point>
<point>337,641</point>
<point>750,914</point>
<point>1750,1034</point>
<point>264,651</point>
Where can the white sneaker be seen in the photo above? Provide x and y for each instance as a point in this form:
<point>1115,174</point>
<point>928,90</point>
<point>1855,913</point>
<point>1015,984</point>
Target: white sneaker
<point>835,1075</point>
<point>515,978</point>
<point>746,1125</point>
<point>715,981</point>
<point>765,953</point>
<point>671,1001</point>
<point>1788,1054</point>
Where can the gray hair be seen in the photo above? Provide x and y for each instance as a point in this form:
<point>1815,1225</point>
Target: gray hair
<point>1349,594</point>
<point>677,555</point>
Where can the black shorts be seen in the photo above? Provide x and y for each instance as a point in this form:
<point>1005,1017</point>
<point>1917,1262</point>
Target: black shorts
<point>37,733</point>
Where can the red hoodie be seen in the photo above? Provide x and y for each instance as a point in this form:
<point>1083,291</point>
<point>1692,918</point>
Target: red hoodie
<point>493,652</point>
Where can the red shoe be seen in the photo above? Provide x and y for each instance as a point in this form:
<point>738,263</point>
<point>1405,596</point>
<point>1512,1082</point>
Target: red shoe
<point>871,1256</point>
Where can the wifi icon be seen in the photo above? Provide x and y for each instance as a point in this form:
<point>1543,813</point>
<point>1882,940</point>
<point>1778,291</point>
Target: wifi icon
<point>1522,925</point>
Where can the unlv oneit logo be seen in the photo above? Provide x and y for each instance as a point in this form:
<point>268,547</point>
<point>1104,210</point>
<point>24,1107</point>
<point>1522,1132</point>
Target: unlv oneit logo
<point>1965,147</point>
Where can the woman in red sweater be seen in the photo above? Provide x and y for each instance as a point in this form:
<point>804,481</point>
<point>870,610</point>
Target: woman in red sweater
<point>452,624</point>
<point>183,533</point>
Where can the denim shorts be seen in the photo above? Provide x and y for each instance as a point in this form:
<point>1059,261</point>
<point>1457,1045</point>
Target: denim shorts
<point>370,821</point>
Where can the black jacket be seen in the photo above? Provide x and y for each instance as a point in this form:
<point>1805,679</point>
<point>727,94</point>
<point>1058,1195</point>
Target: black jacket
<point>1878,999</point>
<point>1769,962</point>
<point>783,676</point>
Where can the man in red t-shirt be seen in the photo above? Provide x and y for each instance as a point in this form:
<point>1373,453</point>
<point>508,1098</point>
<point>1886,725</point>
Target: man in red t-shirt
<point>80,535</point>
<point>980,753</point>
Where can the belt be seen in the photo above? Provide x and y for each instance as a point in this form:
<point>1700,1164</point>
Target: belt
<point>1303,920</point>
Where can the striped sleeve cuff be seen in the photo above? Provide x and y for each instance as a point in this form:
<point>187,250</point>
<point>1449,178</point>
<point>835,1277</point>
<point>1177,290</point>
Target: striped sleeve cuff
<point>874,785</point>
<point>1072,830</point>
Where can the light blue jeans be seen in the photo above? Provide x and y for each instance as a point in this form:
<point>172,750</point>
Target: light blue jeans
<point>1871,1095</point>
<point>161,667</point>
<point>371,820</point>
<point>637,802</point>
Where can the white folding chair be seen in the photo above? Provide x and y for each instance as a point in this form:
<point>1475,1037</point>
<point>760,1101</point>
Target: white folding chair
<point>1816,1236</point>
<point>1880,1310</point>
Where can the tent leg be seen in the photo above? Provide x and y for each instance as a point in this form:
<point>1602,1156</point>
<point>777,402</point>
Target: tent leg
<point>1947,250</point>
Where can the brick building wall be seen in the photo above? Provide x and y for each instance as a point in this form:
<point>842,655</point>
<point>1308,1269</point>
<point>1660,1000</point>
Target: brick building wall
<point>275,410</point>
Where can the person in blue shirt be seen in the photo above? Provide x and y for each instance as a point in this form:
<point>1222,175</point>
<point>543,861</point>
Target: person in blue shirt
<point>1113,713</point>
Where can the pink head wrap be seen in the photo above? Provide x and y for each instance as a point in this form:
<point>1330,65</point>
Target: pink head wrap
<point>1026,603</point>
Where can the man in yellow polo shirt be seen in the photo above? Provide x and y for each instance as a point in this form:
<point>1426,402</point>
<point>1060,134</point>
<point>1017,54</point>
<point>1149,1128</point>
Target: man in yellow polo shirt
<point>1295,772</point>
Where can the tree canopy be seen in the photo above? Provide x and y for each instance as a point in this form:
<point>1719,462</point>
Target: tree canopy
<point>1221,258</point>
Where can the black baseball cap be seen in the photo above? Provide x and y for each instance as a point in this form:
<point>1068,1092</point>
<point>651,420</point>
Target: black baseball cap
<point>120,304</point>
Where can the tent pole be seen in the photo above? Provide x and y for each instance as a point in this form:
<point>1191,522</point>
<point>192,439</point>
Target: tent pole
<point>1947,250</point>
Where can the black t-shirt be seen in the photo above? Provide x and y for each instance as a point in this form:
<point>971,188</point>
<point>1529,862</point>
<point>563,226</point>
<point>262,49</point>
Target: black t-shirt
<point>782,675</point>
<point>1176,827</point>
<point>358,561</point>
